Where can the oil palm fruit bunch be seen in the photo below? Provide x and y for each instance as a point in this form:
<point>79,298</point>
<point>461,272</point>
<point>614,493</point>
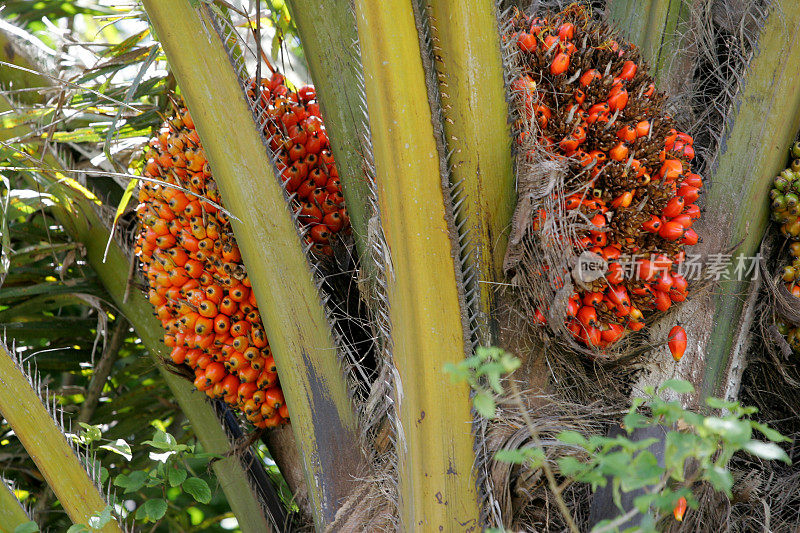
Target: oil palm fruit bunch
<point>189,256</point>
<point>791,279</point>
<point>588,100</point>
<point>785,196</point>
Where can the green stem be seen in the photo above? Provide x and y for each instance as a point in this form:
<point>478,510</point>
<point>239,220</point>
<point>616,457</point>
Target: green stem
<point>11,512</point>
<point>46,445</point>
<point>760,129</point>
<point>470,73</point>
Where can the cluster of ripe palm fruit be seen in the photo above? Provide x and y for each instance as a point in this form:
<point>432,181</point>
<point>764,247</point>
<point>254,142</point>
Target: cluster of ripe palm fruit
<point>590,101</point>
<point>197,281</point>
<point>791,277</point>
<point>785,196</point>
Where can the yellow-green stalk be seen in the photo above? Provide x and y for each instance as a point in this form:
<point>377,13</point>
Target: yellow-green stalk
<point>11,512</point>
<point>470,73</point>
<point>435,449</point>
<point>760,128</point>
<point>48,447</point>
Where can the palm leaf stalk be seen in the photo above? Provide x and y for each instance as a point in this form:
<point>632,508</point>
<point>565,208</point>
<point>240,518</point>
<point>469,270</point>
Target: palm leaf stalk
<point>11,512</point>
<point>44,441</point>
<point>437,483</point>
<point>469,70</point>
<point>763,124</point>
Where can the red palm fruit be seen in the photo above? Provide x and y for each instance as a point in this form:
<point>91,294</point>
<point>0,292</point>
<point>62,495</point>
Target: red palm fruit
<point>662,300</point>
<point>671,169</point>
<point>690,237</point>
<point>592,298</point>
<point>618,295</point>
<point>677,296</point>
<point>591,336</point>
<point>679,283</point>
<point>246,390</point>
<point>587,316</point>
<point>248,374</point>
<point>692,180</point>
<point>672,231</point>
<point>693,211</point>
<point>526,42</point>
<point>236,362</point>
<point>230,385</point>
<point>617,98</point>
<point>572,307</point>
<point>215,372</point>
<point>677,342</point>
<point>653,225</point>
<point>618,152</point>
<point>267,411</point>
<point>664,281</point>
<point>690,194</point>
<point>266,379</point>
<point>615,274</point>
<point>589,76</point>
<point>629,69</point>
<point>634,325</point>
<point>274,397</point>
<point>201,383</point>
<point>646,269</point>
<point>680,509</point>
<point>674,207</point>
<point>684,220</point>
<point>613,333</point>
<point>560,63</point>
<point>178,355</point>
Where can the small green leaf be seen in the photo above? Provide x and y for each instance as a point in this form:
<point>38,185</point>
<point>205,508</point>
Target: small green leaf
<point>767,450</point>
<point>100,520</point>
<point>176,475</point>
<point>27,527</point>
<point>680,386</point>
<point>573,437</point>
<point>90,433</point>
<point>516,457</point>
<point>153,509</point>
<point>720,478</point>
<point>120,447</point>
<point>78,528</point>
<point>770,433</point>
<point>198,488</point>
<point>131,482</point>
<point>484,404</point>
